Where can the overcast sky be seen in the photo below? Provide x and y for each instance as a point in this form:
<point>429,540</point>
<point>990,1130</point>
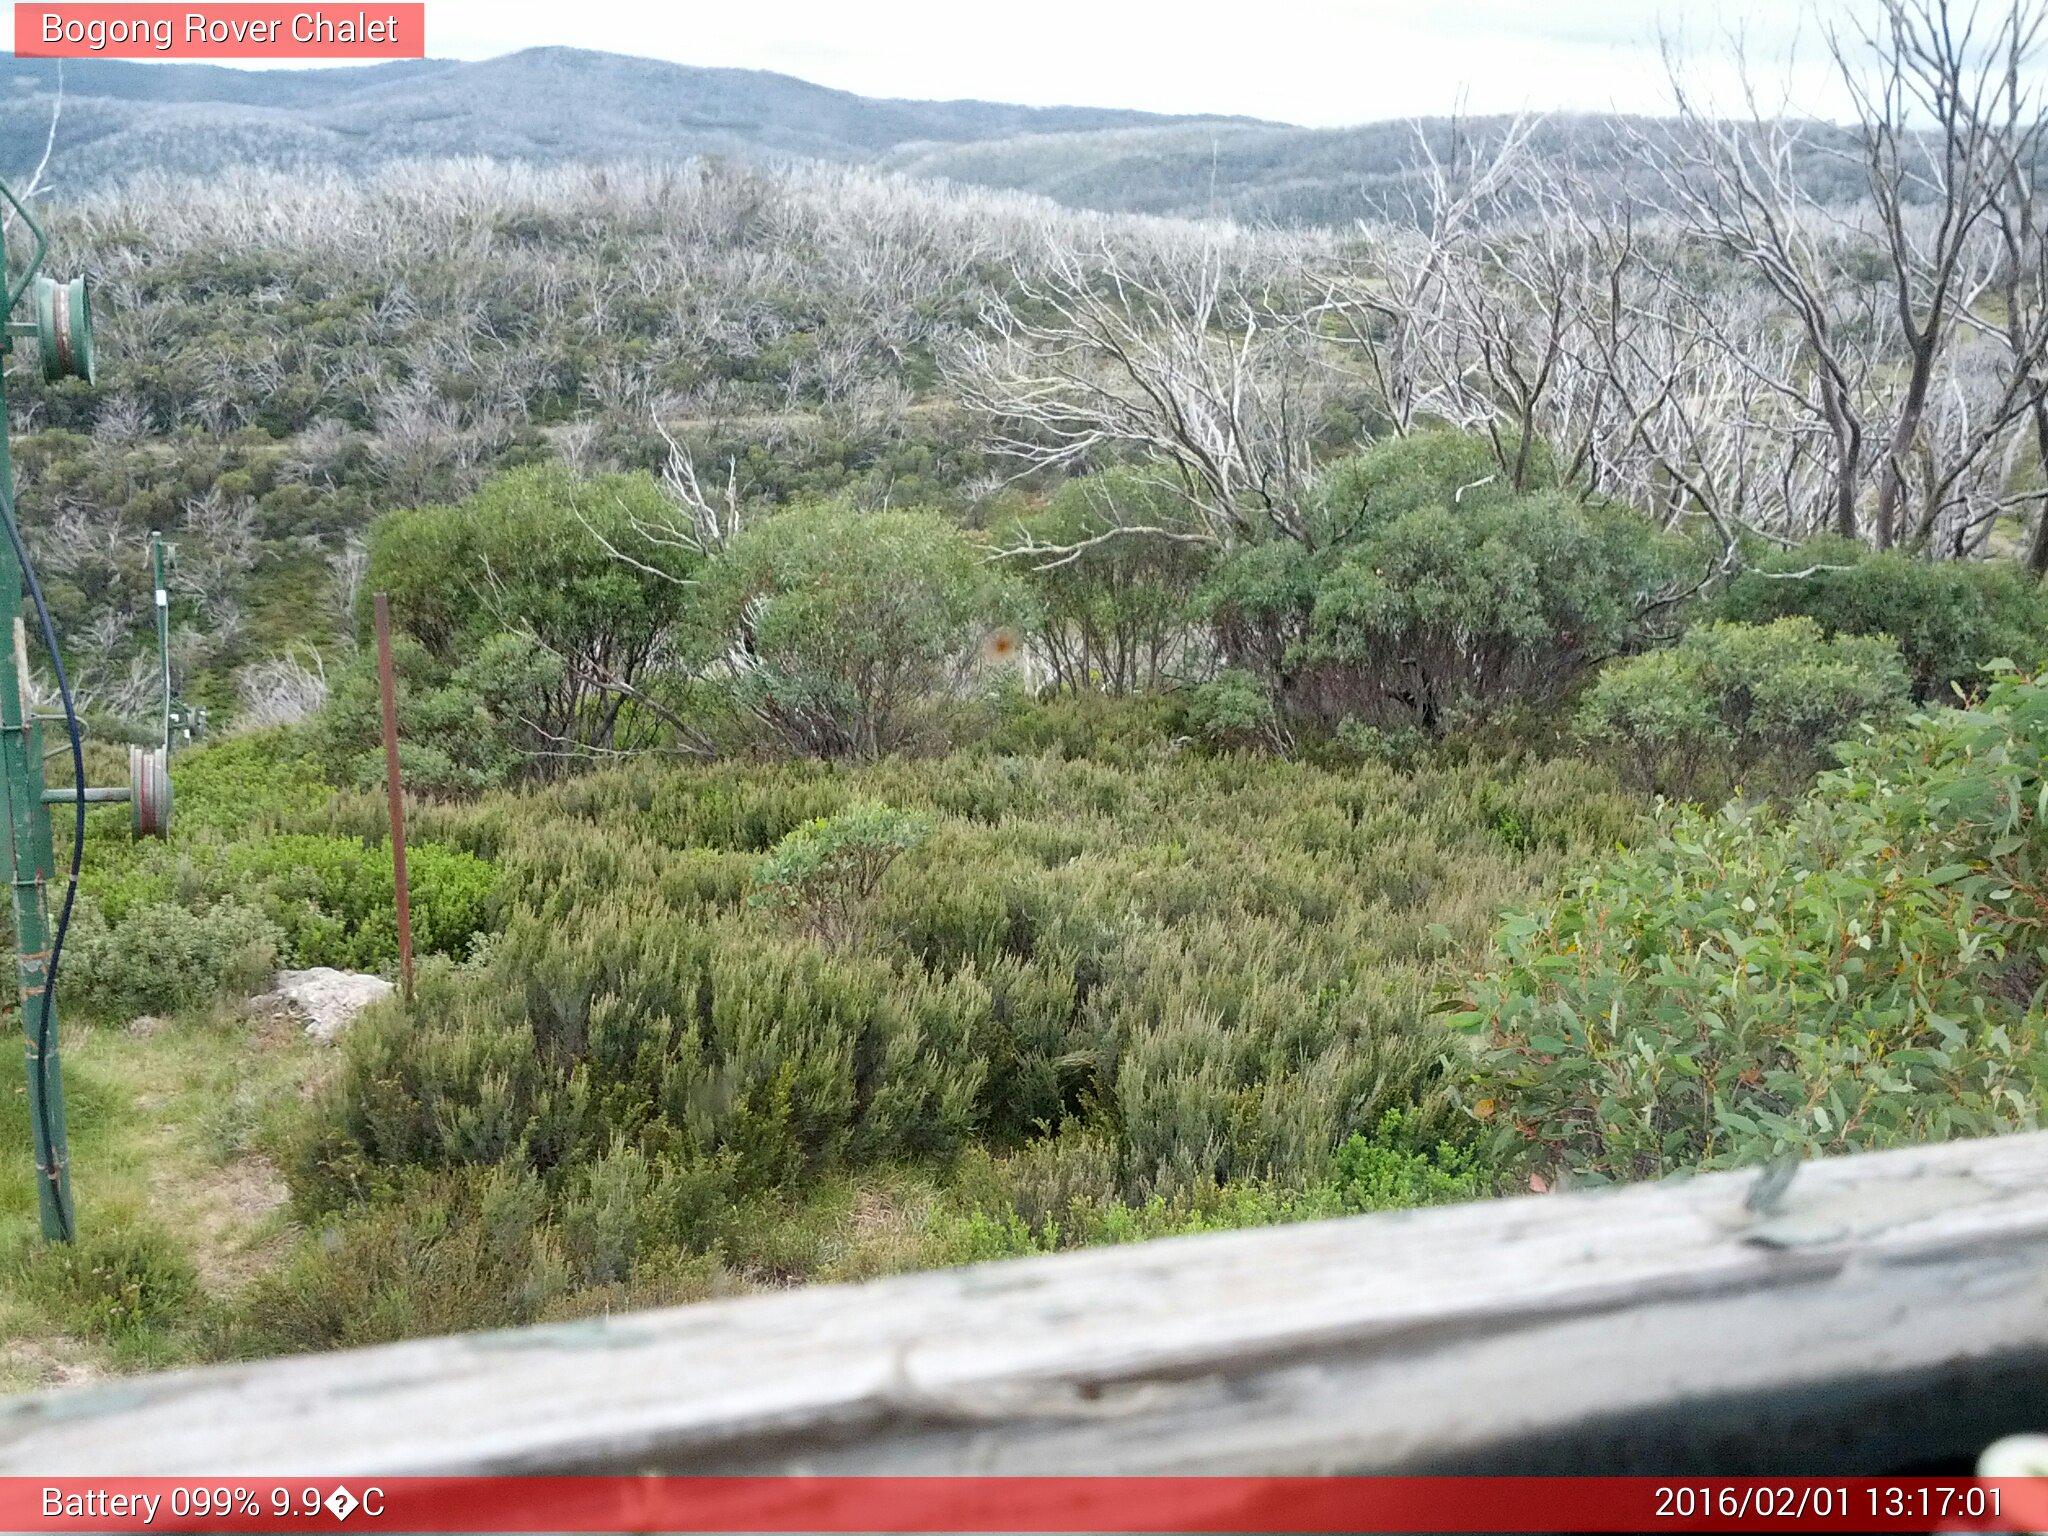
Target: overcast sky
<point>1307,61</point>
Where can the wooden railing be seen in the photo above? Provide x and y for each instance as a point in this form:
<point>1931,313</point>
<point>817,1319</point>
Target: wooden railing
<point>1881,1313</point>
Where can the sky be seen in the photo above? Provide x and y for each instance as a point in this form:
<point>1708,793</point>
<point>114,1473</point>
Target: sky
<point>1316,62</point>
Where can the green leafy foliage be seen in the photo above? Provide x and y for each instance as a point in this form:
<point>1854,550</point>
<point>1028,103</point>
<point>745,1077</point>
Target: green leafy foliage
<point>1258,601</point>
<point>1731,702</point>
<point>1233,710</point>
<point>164,957</point>
<point>334,898</point>
<point>114,1282</point>
<point>243,785</point>
<point>1211,972</point>
<point>826,871</point>
<point>1951,617</point>
<point>541,608</point>
<point>315,899</point>
<point>1430,595</point>
<point>1861,971</point>
<point>1388,1170</point>
<point>454,738</point>
<point>460,1252</point>
<point>1062,1191</point>
<point>244,885</point>
<point>843,630</point>
<point>1115,610</point>
<point>1439,614</point>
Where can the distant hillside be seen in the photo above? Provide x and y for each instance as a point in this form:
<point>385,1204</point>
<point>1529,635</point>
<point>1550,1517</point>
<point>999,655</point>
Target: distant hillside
<point>544,104</point>
<point>1264,173</point>
<point>562,104</point>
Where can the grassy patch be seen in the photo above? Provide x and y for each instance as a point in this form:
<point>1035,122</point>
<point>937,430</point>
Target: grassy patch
<point>179,1203</point>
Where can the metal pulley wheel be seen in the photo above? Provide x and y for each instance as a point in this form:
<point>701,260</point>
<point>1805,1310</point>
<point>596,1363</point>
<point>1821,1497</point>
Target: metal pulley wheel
<point>149,790</point>
<point>64,328</point>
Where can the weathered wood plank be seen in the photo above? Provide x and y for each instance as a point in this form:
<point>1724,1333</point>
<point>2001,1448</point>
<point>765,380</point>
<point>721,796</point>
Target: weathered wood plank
<point>1892,1306</point>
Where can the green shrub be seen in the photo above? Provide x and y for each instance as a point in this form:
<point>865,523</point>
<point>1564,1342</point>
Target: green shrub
<point>1063,1191</point>
<point>449,741</point>
<point>462,728</point>
<point>542,612</point>
<point>1064,1179</point>
<point>457,1252</point>
<point>1233,710</point>
<point>1400,747</point>
<point>1115,614</point>
<point>1950,617</point>
<point>1431,595</point>
<point>112,1282</point>
<point>245,783</point>
<point>745,1065</point>
<point>1258,600</point>
<point>317,900</point>
<point>526,554</point>
<point>606,1216</point>
<point>1389,1171</point>
<point>1734,703</point>
<point>1119,732</point>
<point>1862,971</point>
<point>1214,970</point>
<point>1448,612</point>
<point>334,898</point>
<point>162,958</point>
<point>826,871</point>
<point>841,628</point>
<point>1427,471</point>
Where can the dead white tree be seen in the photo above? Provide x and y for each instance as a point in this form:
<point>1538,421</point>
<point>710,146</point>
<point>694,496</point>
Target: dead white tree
<point>1883,294</point>
<point>1189,358</point>
<point>1394,309</point>
<point>280,690</point>
<point>1737,185</point>
<point>2013,140</point>
<point>1923,80</point>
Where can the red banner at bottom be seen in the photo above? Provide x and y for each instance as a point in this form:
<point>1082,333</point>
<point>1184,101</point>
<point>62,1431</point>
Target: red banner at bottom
<point>1006,1504</point>
<point>1020,1504</point>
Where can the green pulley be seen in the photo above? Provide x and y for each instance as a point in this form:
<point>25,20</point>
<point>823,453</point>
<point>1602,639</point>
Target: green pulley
<point>64,328</point>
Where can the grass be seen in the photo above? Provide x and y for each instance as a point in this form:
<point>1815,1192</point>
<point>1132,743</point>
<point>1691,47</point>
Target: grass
<point>172,1132</point>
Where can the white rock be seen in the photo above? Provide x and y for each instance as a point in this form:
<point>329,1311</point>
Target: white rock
<point>327,999</point>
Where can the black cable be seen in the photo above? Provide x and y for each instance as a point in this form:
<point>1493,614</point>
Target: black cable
<point>43,1025</point>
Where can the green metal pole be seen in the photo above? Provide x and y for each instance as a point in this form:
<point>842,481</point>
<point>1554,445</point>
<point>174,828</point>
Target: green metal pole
<point>162,599</point>
<point>30,861</point>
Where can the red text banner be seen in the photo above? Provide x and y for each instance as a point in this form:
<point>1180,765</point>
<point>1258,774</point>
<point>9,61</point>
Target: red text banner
<point>231,31</point>
<point>1016,1504</point>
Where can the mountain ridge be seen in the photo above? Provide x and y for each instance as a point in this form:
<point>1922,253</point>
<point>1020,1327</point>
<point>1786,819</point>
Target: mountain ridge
<point>122,116</point>
<point>556,104</point>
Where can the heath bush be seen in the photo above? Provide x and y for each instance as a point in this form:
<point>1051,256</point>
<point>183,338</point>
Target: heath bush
<point>164,957</point>
<point>826,871</point>
<point>1951,618</point>
<point>1741,704</point>
<point>840,630</point>
<point>1116,613</point>
<point>1427,594</point>
<point>115,1281</point>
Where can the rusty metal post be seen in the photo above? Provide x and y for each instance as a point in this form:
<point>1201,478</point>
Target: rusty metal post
<point>388,687</point>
